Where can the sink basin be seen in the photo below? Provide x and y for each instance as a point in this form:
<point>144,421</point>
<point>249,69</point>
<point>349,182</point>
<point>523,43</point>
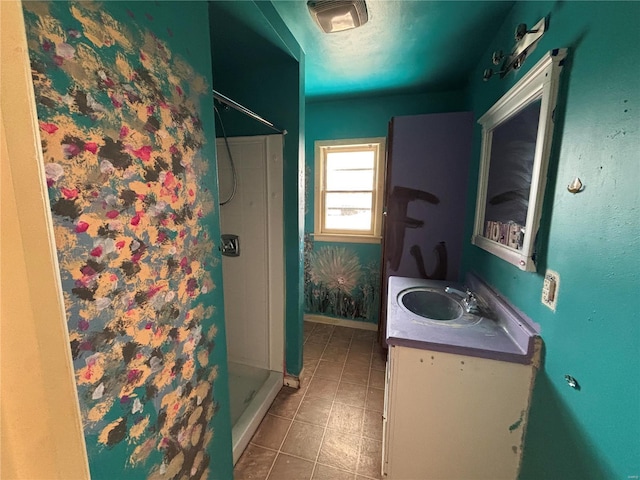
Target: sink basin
<point>421,314</point>
<point>431,304</point>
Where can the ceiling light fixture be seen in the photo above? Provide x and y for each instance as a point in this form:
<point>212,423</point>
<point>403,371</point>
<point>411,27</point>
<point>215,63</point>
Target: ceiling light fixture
<point>335,15</point>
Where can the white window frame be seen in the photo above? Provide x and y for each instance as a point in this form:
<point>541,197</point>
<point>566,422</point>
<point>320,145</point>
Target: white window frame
<point>322,147</point>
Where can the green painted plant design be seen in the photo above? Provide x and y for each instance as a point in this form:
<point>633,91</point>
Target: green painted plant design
<point>338,285</point>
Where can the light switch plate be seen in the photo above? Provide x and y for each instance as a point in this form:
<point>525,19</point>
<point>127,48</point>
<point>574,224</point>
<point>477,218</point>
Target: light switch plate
<point>550,289</point>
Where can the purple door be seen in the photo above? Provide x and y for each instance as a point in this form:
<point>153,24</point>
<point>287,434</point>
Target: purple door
<point>425,198</point>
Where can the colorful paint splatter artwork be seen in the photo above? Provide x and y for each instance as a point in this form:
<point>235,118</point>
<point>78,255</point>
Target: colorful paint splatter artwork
<point>132,186</point>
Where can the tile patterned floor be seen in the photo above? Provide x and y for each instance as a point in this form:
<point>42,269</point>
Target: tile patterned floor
<point>331,428</point>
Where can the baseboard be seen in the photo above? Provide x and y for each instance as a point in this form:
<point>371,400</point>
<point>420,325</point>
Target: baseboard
<point>341,322</point>
<point>292,380</point>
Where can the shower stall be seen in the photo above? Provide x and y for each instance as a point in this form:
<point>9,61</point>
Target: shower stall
<point>251,217</point>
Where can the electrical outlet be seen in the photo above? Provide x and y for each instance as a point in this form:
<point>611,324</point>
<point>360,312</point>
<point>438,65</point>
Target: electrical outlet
<point>550,289</point>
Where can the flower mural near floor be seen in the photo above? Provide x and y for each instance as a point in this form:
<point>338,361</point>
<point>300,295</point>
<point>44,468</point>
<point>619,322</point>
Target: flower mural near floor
<point>336,283</point>
<point>336,268</point>
<point>127,171</point>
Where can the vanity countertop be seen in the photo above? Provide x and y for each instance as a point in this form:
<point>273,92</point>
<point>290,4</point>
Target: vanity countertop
<point>504,334</point>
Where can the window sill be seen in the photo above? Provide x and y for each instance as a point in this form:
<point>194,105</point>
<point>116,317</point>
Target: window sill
<point>346,238</point>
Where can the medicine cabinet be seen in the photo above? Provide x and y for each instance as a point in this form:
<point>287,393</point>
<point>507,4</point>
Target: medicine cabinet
<point>516,143</point>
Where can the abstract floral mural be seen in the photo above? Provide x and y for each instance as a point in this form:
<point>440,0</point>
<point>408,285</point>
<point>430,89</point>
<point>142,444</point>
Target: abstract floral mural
<point>131,182</point>
<point>337,283</point>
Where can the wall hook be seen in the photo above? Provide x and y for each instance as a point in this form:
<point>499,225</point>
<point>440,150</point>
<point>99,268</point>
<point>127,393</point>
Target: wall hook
<point>572,382</point>
<point>575,186</point>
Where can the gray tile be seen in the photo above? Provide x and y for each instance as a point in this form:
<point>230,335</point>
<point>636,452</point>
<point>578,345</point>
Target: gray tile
<point>323,329</point>
<point>355,373</point>
<point>335,353</point>
<point>254,464</point>
<point>339,450</point>
<point>365,334</point>
<point>337,414</point>
<point>330,370</point>
<point>312,350</point>
<point>286,402</point>
<point>376,378</point>
<point>343,332</point>
<point>372,425</point>
<point>370,459</point>
<point>314,410</point>
<point>325,472</point>
<point>361,346</point>
<point>322,388</point>
<point>271,432</point>
<point>355,357</point>
<point>346,418</point>
<point>375,399</point>
<point>319,338</point>
<point>351,394</point>
<point>309,369</point>
<point>310,364</point>
<point>379,358</point>
<point>287,467</point>
<point>337,341</point>
<point>303,440</point>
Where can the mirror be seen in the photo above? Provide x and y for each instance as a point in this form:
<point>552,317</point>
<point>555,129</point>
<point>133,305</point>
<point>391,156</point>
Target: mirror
<point>516,142</point>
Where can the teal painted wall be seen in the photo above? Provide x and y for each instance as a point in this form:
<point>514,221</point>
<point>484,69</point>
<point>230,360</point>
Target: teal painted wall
<point>257,63</point>
<point>592,239</point>
<point>361,117</point>
<point>125,110</point>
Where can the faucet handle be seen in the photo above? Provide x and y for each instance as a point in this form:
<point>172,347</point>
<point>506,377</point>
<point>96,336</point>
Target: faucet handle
<point>469,299</point>
<point>471,302</point>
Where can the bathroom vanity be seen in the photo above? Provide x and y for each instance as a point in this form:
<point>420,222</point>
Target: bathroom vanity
<point>458,382</point>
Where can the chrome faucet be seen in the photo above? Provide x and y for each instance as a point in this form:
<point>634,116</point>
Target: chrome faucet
<point>469,299</point>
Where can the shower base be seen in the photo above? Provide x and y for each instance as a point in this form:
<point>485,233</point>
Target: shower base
<point>252,391</point>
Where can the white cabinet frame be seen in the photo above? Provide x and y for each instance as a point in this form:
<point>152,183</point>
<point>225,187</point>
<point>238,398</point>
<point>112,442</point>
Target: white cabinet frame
<point>540,83</point>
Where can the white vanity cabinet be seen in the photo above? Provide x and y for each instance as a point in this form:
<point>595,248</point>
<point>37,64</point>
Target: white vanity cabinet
<point>450,416</point>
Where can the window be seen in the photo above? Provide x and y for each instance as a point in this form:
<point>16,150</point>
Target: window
<point>348,190</point>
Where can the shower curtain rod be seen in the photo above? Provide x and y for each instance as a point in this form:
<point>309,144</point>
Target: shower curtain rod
<point>235,105</point>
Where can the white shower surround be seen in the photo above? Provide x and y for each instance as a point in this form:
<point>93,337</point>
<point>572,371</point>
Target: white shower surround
<point>254,281</point>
